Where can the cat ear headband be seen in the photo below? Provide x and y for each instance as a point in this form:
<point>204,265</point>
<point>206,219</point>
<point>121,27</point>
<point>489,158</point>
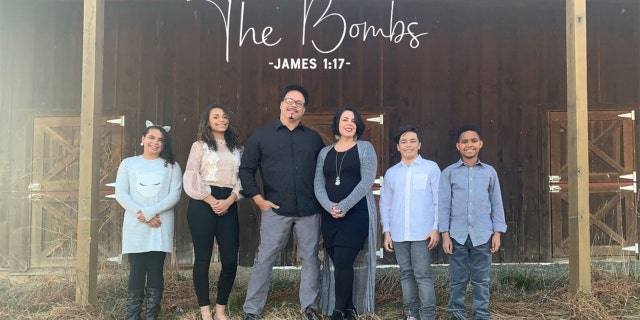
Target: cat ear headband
<point>166,128</point>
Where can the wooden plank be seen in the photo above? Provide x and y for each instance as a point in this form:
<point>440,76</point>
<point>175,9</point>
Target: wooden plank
<point>21,55</point>
<point>67,77</point>
<point>4,136</point>
<point>111,22</point>
<point>90,150</point>
<point>577,143</point>
<point>627,65</point>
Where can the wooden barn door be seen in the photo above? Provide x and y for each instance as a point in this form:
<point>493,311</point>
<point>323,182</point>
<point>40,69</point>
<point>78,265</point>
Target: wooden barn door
<point>612,189</point>
<point>54,191</point>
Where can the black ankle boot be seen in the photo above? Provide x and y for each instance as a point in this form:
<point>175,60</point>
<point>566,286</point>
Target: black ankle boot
<point>351,314</point>
<point>134,304</point>
<point>337,315</point>
<point>154,296</point>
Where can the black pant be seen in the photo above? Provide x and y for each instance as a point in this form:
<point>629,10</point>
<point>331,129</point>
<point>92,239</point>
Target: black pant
<point>343,259</point>
<point>205,225</point>
<point>146,266</point>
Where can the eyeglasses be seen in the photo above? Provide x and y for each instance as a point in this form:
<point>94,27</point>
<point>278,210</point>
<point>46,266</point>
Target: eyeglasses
<point>291,102</point>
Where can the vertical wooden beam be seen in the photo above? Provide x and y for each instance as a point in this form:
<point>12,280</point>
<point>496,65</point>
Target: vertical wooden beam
<point>577,142</point>
<point>90,115</point>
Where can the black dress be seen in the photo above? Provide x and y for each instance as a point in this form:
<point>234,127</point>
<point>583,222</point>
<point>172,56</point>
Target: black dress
<point>352,230</point>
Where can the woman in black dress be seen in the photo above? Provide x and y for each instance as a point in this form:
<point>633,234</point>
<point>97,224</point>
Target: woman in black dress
<point>345,172</point>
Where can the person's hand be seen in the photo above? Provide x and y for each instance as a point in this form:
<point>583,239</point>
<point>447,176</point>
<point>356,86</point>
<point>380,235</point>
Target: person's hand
<point>140,216</point>
<point>155,222</point>
<point>387,243</point>
<point>221,207</point>
<point>447,245</point>
<point>495,242</point>
<point>263,204</point>
<point>210,200</point>
<point>336,213</point>
<point>434,239</point>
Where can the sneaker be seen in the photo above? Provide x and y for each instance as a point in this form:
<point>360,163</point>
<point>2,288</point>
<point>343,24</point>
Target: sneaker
<point>309,314</point>
<point>251,316</point>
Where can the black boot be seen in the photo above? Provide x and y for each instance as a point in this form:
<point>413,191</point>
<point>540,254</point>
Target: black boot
<point>154,296</point>
<point>351,314</point>
<point>134,304</point>
<point>337,315</point>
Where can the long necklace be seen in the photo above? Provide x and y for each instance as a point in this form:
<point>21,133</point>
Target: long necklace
<point>338,170</point>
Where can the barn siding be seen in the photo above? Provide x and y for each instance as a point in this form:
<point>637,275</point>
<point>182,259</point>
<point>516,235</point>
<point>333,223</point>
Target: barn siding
<point>499,64</point>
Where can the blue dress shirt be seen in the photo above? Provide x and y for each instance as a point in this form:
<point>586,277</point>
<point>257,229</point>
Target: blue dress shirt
<point>470,202</point>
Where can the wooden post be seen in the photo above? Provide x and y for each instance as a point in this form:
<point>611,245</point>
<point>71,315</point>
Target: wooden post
<point>90,150</point>
<point>578,149</point>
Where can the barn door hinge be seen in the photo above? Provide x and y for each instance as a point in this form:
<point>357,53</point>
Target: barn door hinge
<point>630,188</point>
<point>630,176</point>
<point>379,119</point>
<point>377,182</point>
<point>34,187</point>
<point>110,196</point>
<point>633,248</point>
<point>119,121</point>
<point>555,189</point>
<point>631,115</point>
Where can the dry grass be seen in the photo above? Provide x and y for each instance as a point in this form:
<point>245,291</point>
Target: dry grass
<point>517,293</point>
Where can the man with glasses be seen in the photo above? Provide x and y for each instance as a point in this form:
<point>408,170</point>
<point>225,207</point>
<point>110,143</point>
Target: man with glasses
<point>285,153</point>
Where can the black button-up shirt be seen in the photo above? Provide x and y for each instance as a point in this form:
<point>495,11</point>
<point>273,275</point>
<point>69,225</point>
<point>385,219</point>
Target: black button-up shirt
<point>287,163</point>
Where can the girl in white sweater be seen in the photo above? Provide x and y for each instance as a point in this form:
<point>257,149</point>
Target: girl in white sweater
<point>148,186</point>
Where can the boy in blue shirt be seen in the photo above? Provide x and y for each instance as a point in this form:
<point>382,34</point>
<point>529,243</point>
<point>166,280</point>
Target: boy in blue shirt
<point>409,217</point>
<point>471,219</point>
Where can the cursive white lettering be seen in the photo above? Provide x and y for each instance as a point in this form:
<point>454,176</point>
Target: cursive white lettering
<point>265,32</point>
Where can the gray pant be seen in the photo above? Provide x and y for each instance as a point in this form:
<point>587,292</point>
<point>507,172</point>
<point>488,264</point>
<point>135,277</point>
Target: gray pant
<point>274,234</point>
<point>418,294</point>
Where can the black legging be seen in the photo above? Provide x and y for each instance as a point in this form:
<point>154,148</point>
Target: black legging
<point>146,266</point>
<point>205,225</point>
<point>343,259</point>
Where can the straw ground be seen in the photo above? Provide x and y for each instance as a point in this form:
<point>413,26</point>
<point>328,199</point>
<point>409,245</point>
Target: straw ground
<point>518,292</point>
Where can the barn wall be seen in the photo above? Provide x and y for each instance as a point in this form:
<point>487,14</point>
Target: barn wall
<point>495,63</point>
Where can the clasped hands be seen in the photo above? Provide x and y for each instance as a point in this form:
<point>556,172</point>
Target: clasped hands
<point>336,213</point>
<point>219,207</point>
<point>154,222</point>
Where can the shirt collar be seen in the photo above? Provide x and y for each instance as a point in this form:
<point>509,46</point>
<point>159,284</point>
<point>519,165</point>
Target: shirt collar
<point>460,163</point>
<point>278,124</point>
<point>418,161</point>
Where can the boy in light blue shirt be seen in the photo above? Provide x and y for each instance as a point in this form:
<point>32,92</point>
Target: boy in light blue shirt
<point>471,217</point>
<point>409,217</point>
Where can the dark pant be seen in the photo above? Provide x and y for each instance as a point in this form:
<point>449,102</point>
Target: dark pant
<point>205,225</point>
<point>343,259</point>
<point>146,267</point>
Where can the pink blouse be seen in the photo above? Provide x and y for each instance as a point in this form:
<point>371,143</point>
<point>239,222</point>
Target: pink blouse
<point>206,168</point>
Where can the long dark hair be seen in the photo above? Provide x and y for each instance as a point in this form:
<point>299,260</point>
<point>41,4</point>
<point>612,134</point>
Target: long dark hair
<point>167,148</point>
<point>205,134</point>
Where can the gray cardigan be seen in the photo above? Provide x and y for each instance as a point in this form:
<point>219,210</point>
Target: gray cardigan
<point>365,264</point>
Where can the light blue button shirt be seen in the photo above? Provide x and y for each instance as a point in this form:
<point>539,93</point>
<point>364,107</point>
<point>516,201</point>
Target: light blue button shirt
<point>470,202</point>
<point>409,200</point>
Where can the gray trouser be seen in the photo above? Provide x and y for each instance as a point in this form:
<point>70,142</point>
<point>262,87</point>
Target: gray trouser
<point>274,234</point>
<point>416,277</point>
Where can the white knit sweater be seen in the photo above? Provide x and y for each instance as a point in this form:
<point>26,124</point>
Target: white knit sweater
<point>149,186</point>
